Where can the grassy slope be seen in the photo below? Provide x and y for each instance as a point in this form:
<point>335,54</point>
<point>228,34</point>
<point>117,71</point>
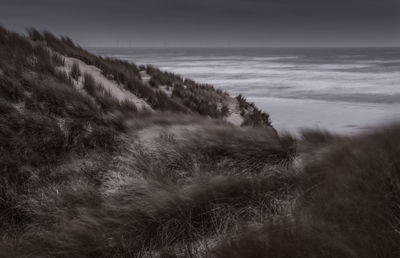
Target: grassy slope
<point>84,175</point>
<point>187,96</point>
<point>348,203</point>
<point>77,180</point>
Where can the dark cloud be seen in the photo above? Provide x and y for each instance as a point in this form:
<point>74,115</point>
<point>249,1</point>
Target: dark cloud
<point>211,22</point>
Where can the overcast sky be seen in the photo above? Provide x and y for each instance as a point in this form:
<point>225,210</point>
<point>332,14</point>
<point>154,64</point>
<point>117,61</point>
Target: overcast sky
<point>211,22</point>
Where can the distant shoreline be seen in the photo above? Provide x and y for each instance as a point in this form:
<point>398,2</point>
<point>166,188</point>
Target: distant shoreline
<point>359,83</point>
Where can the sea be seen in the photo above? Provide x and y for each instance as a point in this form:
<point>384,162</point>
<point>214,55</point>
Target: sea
<point>343,90</point>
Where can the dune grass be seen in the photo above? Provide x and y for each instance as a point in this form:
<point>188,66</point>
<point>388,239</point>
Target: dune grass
<point>348,205</point>
<point>75,71</point>
<point>79,179</point>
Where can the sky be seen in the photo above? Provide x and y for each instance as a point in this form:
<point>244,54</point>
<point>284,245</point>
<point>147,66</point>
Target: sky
<point>211,23</point>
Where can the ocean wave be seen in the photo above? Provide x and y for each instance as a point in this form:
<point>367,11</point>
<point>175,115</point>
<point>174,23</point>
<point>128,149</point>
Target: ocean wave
<point>356,75</point>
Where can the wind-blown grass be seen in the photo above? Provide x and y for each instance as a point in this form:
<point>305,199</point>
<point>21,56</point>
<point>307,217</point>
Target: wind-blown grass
<point>85,175</point>
<point>75,71</point>
<point>348,205</point>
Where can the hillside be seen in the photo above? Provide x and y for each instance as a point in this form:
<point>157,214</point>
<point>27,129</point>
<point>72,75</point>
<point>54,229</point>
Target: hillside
<point>103,158</point>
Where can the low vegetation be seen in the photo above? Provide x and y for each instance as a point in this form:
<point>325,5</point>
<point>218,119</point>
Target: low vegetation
<point>347,204</point>
<point>86,175</point>
<point>75,71</point>
<point>252,115</point>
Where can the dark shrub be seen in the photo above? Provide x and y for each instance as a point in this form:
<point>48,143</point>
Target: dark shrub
<point>11,90</point>
<point>252,115</point>
<point>75,71</point>
<point>89,84</point>
<point>35,34</point>
<point>58,60</point>
<point>128,106</point>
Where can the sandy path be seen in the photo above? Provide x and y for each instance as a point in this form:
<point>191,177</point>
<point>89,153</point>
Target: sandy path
<point>111,86</point>
<point>234,116</point>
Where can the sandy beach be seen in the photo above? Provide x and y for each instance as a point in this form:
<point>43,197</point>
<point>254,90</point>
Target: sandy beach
<point>339,117</point>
